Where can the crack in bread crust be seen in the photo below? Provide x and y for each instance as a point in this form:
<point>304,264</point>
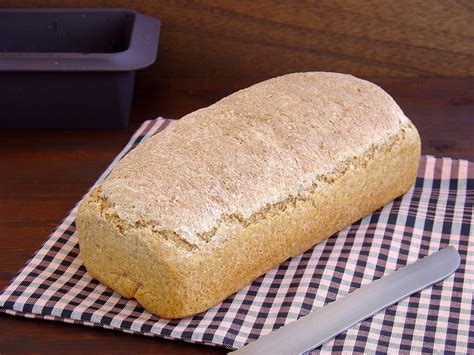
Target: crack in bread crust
<point>236,221</point>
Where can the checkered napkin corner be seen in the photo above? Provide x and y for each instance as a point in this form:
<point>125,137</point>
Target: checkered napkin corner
<point>435,213</point>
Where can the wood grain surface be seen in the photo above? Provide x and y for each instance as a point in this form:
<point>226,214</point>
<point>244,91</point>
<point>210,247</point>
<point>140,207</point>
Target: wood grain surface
<point>43,173</point>
<point>246,39</point>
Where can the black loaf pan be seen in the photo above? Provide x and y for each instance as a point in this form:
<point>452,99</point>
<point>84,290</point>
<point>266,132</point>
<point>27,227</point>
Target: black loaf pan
<point>72,68</point>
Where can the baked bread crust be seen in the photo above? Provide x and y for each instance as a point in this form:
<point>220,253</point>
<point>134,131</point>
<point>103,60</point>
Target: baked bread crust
<point>230,191</point>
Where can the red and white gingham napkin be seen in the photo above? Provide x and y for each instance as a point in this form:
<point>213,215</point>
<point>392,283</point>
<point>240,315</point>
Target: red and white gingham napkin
<point>435,213</point>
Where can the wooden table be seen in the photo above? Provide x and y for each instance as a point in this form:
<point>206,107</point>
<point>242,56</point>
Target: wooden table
<point>43,173</point>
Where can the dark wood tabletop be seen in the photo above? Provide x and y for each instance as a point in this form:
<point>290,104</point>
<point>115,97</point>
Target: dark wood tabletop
<point>43,173</point>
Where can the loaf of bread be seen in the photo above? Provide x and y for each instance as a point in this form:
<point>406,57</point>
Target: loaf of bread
<point>198,211</point>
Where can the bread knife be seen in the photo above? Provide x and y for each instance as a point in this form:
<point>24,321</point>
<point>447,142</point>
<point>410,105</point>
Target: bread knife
<point>317,327</point>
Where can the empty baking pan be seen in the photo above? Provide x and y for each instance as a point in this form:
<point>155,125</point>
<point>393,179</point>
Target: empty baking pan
<point>72,68</point>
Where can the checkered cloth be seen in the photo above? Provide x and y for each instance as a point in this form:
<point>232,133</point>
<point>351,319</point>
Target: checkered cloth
<point>435,213</point>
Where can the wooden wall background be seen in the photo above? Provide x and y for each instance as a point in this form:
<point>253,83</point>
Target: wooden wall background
<point>259,39</point>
